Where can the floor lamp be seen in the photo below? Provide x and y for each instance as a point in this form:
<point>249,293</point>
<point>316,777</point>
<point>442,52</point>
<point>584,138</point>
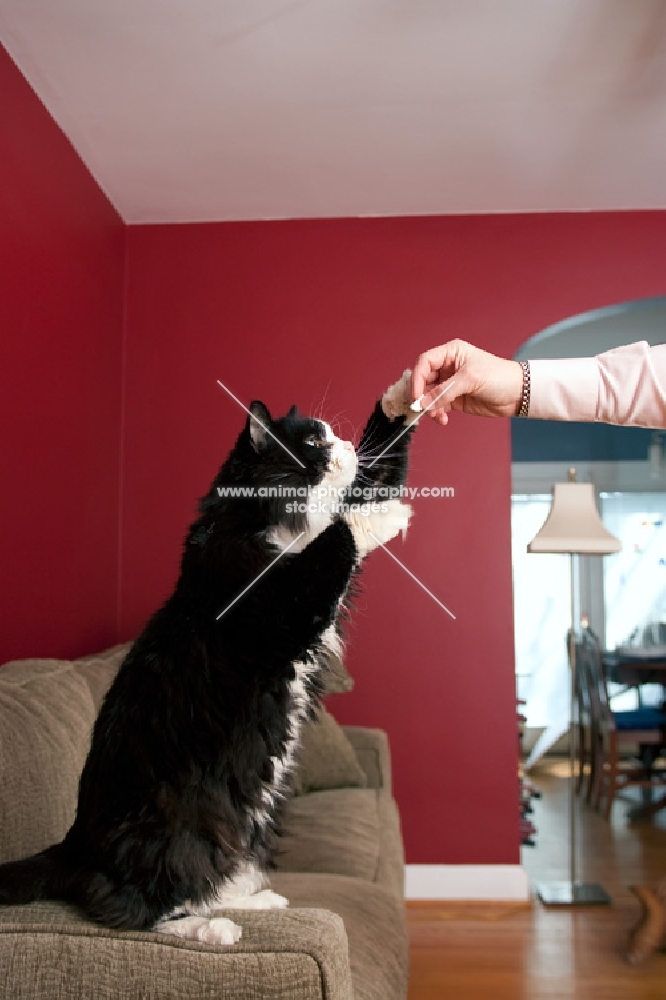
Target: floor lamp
<point>573,526</point>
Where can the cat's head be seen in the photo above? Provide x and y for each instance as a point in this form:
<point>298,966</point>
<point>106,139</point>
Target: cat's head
<point>297,450</point>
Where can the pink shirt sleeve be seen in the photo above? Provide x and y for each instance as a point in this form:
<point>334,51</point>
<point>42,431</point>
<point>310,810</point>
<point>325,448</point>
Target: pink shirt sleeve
<point>623,386</point>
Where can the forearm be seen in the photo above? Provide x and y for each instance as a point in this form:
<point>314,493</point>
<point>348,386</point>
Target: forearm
<point>623,386</point>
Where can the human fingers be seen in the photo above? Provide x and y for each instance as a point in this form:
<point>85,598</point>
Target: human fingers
<point>440,417</point>
<point>428,368</point>
<point>441,398</point>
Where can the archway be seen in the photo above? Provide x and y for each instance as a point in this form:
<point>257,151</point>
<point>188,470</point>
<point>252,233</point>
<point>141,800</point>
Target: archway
<point>622,594</point>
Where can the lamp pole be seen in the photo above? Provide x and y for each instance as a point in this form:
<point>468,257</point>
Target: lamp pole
<point>573,526</point>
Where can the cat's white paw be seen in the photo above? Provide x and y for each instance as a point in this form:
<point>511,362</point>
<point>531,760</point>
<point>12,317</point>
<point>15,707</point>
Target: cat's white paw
<point>265,899</point>
<point>268,900</point>
<point>378,527</point>
<point>396,401</point>
<point>211,930</point>
<point>385,525</point>
<point>221,930</point>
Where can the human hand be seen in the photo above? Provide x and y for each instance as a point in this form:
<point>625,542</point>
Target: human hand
<point>458,376</point>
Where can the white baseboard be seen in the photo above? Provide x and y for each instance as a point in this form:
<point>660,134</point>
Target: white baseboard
<point>466,882</point>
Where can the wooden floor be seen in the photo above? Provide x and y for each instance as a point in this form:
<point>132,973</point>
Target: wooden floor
<point>529,952</point>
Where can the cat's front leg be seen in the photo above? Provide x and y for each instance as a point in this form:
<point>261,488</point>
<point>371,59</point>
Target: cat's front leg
<point>289,625</point>
<point>374,528</point>
<point>383,453</point>
<point>384,446</point>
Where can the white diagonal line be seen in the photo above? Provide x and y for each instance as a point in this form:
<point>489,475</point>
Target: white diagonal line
<point>408,426</point>
<point>415,578</point>
<point>259,575</point>
<point>268,431</point>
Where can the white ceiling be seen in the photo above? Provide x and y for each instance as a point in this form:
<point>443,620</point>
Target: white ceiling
<point>201,110</point>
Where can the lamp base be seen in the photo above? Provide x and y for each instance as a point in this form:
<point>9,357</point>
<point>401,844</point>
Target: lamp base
<point>572,894</point>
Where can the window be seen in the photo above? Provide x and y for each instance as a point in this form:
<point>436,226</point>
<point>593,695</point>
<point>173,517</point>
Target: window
<point>542,615</point>
<point>627,592</point>
<point>634,579</point>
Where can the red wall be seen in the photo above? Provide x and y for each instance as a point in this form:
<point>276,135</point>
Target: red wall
<point>298,311</point>
<point>61,302</point>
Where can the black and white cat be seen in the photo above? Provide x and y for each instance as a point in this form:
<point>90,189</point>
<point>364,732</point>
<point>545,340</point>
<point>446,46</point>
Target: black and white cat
<point>193,749</point>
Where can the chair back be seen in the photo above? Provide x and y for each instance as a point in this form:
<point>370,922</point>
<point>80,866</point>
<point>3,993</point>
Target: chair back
<point>575,657</point>
<point>590,666</point>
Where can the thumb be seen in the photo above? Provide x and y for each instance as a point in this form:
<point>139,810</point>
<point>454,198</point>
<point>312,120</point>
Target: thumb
<point>441,397</point>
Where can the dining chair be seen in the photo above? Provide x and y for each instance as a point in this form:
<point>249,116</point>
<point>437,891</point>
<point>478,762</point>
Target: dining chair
<point>641,727</point>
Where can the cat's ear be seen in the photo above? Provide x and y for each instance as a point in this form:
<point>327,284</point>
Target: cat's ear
<point>259,423</point>
<point>293,412</point>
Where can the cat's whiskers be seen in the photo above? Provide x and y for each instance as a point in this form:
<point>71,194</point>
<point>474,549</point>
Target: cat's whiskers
<point>369,441</point>
<point>368,447</point>
<point>320,409</point>
<point>340,421</point>
<point>367,459</point>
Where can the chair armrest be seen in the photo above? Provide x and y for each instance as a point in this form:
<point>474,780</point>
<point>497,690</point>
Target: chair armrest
<point>371,747</point>
<point>47,950</point>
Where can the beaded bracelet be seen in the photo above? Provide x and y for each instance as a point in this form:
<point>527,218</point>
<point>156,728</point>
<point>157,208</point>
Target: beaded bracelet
<point>525,401</point>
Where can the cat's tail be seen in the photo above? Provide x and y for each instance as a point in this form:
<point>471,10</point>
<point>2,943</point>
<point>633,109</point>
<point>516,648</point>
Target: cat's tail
<point>43,876</point>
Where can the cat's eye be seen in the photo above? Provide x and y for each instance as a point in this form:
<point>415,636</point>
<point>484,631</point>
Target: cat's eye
<point>314,442</point>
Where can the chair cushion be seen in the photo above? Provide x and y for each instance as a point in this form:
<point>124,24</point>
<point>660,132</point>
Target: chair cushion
<point>336,832</point>
<point>640,718</point>
<point>46,715</point>
<point>99,669</point>
<point>326,758</point>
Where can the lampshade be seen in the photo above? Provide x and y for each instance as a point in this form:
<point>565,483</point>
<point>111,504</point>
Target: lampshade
<point>573,524</point>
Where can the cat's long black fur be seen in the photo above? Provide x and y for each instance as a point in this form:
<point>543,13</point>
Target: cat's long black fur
<point>181,751</point>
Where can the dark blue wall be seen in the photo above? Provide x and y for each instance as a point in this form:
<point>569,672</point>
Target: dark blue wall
<point>555,441</point>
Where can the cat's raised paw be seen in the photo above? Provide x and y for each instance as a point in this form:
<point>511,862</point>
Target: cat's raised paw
<point>396,401</point>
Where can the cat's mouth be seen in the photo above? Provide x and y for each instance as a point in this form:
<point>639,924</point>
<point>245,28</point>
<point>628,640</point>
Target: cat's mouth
<point>343,464</point>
